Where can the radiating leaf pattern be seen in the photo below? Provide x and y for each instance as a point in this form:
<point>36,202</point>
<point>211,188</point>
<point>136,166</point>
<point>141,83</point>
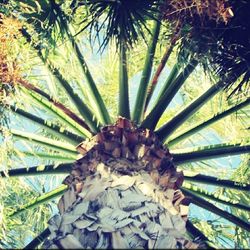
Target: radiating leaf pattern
<point>65,110</point>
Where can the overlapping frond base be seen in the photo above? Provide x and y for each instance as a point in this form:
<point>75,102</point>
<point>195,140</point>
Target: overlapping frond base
<point>124,193</point>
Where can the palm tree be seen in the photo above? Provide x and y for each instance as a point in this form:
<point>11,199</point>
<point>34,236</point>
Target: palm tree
<point>123,189</point>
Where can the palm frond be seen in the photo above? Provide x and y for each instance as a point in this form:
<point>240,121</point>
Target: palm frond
<point>79,126</point>
<point>146,73</point>
<point>161,66</point>
<point>153,117</point>
<point>41,199</point>
<point>218,33</point>
<point>58,104</point>
<point>84,110</point>
<point>210,121</point>
<point>41,140</point>
<point>55,129</point>
<point>209,152</point>
<point>38,170</point>
<point>211,180</point>
<point>198,235</point>
<point>124,21</point>
<point>168,128</point>
<point>38,240</point>
<point>123,84</point>
<point>217,198</point>
<point>46,25</point>
<point>214,209</point>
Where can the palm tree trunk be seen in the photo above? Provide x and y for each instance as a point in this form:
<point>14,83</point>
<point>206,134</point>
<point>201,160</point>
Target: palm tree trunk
<point>116,211</point>
<point>123,193</point>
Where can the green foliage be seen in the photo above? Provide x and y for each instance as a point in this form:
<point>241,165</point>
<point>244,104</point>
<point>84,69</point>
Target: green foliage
<point>17,231</point>
<point>219,232</point>
<point>56,58</point>
<point>216,41</point>
<point>242,174</point>
<point>124,20</point>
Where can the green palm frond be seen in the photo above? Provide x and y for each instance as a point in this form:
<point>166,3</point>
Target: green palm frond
<point>38,240</point>
<point>123,109</point>
<point>39,200</point>
<point>58,131</point>
<point>141,94</point>
<point>209,206</point>
<point>208,152</point>
<point>204,124</point>
<point>72,121</point>
<point>232,56</point>
<point>170,126</point>
<point>121,20</point>
<point>38,170</point>
<point>215,197</point>
<point>4,7</point>
<point>153,117</point>
<point>42,140</point>
<point>211,180</point>
<point>46,24</point>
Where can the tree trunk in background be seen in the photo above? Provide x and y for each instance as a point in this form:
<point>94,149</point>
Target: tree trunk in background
<point>124,193</point>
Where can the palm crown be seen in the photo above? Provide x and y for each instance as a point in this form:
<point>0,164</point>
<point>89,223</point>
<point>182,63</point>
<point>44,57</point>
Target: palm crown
<point>58,94</point>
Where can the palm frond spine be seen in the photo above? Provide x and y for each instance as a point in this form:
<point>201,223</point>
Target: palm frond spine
<point>146,73</point>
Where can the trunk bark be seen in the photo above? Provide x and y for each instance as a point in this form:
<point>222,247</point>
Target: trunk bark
<point>124,193</point>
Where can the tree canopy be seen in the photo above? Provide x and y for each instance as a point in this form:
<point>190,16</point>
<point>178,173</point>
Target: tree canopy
<point>178,68</point>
